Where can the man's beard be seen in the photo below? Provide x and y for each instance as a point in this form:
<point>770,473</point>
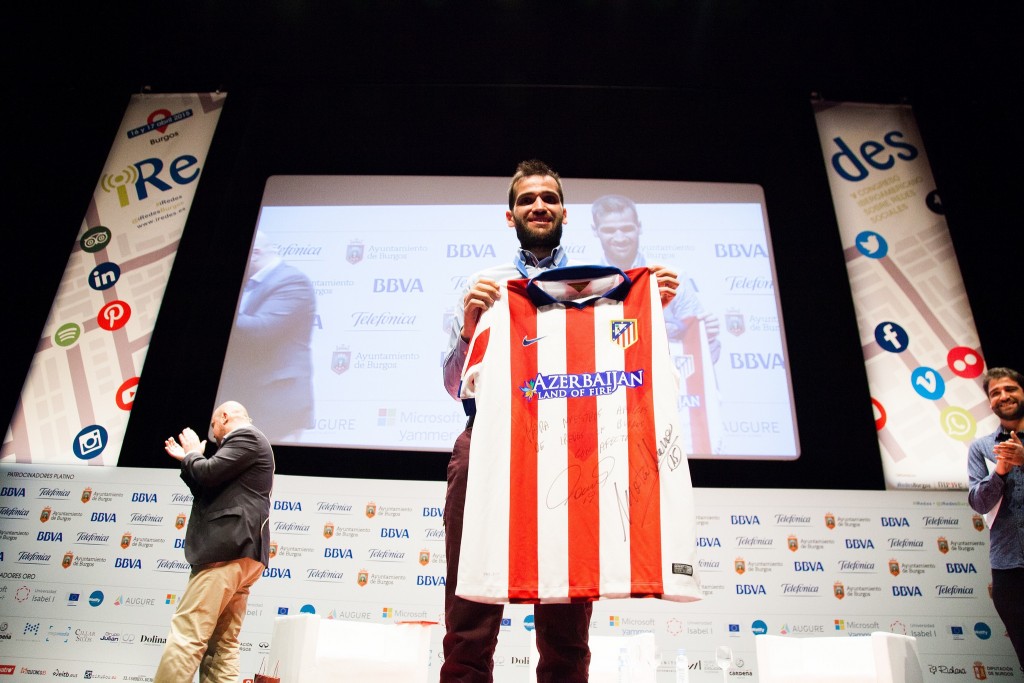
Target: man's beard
<point>529,239</point>
<point>1008,413</point>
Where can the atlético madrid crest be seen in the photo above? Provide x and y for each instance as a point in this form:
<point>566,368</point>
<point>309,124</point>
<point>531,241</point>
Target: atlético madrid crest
<point>685,365</point>
<point>625,332</point>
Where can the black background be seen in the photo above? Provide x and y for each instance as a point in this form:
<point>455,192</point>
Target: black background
<point>713,91</point>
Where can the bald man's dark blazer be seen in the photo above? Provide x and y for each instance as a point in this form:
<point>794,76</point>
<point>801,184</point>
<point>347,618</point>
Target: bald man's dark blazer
<point>231,499</point>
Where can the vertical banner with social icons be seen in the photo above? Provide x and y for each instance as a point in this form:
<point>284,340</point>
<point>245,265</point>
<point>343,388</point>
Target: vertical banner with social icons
<point>81,385</point>
<point>921,349</point>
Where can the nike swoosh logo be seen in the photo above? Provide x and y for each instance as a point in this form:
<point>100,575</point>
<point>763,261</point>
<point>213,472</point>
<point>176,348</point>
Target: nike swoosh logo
<point>530,342</point>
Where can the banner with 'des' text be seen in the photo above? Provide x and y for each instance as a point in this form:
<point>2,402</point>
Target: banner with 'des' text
<point>921,349</point>
<point>81,385</point>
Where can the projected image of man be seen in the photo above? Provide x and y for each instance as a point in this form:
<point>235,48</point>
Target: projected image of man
<point>995,467</point>
<point>616,224</point>
<point>693,332</point>
<point>268,364</point>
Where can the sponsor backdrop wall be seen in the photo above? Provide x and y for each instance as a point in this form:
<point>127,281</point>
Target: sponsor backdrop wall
<point>91,567</point>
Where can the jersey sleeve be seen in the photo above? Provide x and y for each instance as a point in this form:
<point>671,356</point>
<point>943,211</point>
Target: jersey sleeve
<point>476,354</point>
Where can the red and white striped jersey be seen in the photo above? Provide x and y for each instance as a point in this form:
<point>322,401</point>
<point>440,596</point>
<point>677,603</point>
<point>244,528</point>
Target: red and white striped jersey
<point>579,487</point>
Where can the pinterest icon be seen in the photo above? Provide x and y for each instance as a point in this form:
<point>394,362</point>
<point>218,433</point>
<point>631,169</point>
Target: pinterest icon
<point>114,315</point>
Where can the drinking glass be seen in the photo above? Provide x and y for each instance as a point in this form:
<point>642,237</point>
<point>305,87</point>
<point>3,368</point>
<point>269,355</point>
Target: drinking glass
<point>723,657</point>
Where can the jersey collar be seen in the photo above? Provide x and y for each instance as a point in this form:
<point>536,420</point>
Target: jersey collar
<point>540,297</point>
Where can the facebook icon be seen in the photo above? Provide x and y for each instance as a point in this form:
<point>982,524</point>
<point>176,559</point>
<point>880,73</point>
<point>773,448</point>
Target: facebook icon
<point>892,337</point>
